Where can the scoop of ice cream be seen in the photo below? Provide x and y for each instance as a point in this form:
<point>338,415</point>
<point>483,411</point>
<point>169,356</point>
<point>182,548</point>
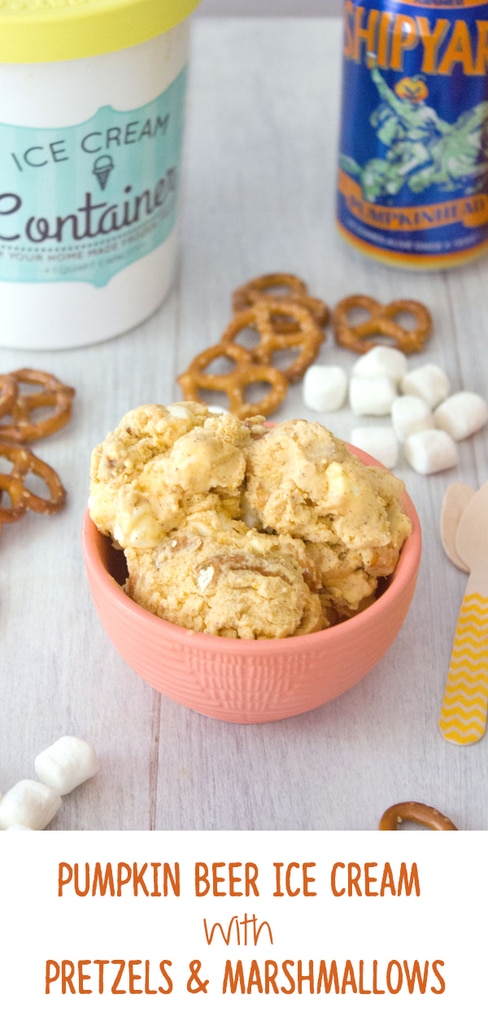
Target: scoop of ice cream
<point>142,434</point>
<point>232,582</point>
<point>173,466</point>
<point>305,482</point>
<point>241,530</point>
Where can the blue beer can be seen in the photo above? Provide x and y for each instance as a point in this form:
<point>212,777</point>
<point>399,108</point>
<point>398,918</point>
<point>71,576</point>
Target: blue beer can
<point>413,150</point>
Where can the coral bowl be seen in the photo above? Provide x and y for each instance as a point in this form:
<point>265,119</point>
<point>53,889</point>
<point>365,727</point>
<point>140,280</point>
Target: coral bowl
<point>248,680</point>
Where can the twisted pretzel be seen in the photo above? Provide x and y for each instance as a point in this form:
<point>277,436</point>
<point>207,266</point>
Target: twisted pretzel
<point>51,393</point>
<point>382,321</point>
<point>304,334</point>
<point>292,287</point>
<point>8,392</point>
<point>420,813</point>
<point>21,498</point>
<point>234,383</point>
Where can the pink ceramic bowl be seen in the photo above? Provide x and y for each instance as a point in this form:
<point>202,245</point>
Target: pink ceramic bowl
<point>248,680</point>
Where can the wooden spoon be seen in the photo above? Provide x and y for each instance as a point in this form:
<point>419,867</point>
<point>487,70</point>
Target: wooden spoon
<point>463,713</point>
<point>455,500</point>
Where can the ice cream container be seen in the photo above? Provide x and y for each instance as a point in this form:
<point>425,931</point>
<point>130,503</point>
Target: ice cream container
<point>413,151</point>
<point>91,134</point>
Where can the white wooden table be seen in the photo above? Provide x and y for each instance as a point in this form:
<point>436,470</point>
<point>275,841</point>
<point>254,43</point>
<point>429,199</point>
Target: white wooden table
<point>258,196</point>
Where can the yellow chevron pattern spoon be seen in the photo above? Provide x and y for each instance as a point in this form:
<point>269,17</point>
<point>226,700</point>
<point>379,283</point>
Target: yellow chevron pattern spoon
<point>464,708</point>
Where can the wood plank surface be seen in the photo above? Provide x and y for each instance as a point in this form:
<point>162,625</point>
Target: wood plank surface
<point>258,196</point>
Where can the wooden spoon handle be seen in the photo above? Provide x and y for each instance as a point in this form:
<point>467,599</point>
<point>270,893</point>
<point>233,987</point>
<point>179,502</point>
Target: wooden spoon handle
<point>463,713</point>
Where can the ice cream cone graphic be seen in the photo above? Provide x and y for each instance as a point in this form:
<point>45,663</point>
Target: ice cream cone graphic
<point>102,168</point>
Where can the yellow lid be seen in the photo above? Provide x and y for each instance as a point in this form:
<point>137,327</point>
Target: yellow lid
<point>32,31</point>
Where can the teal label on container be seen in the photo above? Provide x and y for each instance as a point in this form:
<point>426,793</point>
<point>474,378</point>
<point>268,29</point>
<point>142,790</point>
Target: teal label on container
<point>80,203</point>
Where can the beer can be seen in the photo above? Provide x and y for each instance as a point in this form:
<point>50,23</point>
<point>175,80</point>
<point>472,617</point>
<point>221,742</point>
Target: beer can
<point>413,148</point>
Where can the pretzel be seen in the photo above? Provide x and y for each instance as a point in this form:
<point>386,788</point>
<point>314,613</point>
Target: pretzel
<point>51,393</point>
<point>304,333</point>
<point>8,392</point>
<point>234,383</point>
<point>382,321</point>
<point>420,813</point>
<point>258,289</point>
<point>21,498</point>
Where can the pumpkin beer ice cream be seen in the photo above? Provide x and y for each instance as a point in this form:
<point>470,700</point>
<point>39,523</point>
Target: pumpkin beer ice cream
<point>242,530</point>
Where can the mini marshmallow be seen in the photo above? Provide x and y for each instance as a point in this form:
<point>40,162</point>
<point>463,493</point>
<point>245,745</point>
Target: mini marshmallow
<point>430,451</point>
<point>380,442</point>
<point>179,411</point>
<point>324,388</point>
<point>66,764</point>
<point>29,803</point>
<point>382,361</point>
<point>372,396</point>
<point>218,409</point>
<point>428,382</point>
<point>410,414</point>
<point>462,414</point>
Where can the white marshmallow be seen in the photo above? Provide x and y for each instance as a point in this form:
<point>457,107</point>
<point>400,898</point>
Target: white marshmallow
<point>179,411</point>
<point>462,414</point>
<point>218,409</point>
<point>66,764</point>
<point>380,442</point>
<point>381,361</point>
<point>430,451</point>
<point>324,388</point>
<point>428,382</point>
<point>19,828</point>
<point>410,414</point>
<point>29,803</point>
<point>372,396</point>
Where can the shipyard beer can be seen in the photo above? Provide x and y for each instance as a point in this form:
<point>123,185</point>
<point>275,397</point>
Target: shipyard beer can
<point>413,148</point>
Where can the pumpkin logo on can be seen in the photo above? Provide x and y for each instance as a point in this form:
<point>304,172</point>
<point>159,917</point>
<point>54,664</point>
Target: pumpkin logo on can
<point>412,88</point>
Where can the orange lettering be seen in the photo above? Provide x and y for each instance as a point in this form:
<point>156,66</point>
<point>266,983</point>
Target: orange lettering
<point>458,51</point>
<point>404,38</point>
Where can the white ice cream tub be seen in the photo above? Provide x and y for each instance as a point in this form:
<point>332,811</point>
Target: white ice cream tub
<point>91,132</point>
